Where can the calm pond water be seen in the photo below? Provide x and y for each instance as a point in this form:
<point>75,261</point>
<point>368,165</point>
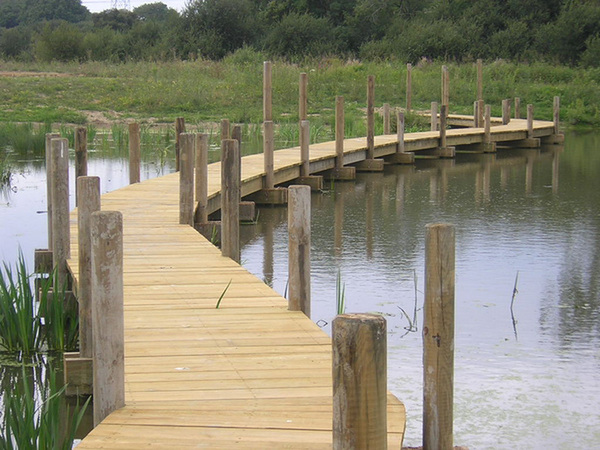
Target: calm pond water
<point>528,217</point>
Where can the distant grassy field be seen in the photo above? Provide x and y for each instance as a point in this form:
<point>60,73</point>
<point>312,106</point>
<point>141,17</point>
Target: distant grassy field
<point>203,91</point>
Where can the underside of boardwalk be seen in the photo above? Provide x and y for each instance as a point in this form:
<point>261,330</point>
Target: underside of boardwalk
<point>250,374</point>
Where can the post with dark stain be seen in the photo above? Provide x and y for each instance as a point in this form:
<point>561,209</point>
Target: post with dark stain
<point>299,248</point>
<point>438,338</point>
<point>230,199</point>
<point>359,381</point>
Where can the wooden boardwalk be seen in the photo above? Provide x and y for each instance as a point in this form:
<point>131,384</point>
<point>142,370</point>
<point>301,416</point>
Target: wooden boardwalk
<point>250,374</point>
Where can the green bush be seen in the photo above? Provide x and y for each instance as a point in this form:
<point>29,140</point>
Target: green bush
<point>298,35</point>
<point>14,42</point>
<point>62,42</point>
<point>591,55</point>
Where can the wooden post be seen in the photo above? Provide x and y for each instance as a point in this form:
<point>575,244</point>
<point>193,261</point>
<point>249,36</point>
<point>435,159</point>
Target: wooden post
<point>299,248</point>
<point>481,110</point>
<point>443,120</point>
<point>179,128</point>
<point>408,87</point>
<point>434,116</point>
<point>80,155</point>
<point>135,153</point>
<point>61,232</point>
<point>438,338</point>
<point>236,134</point>
<point>107,315</point>
<point>339,132</point>
<point>49,177</point>
<point>479,79</point>
<point>505,112</point>
<point>186,179</point>
<point>556,114</point>
<point>268,150</point>
<point>225,129</point>
<point>530,121</point>
<point>304,148</point>
<point>400,131</point>
<point>446,87</point>
<point>267,92</point>
<point>230,199</point>
<point>517,108</point>
<point>476,114</point>
<point>488,125</point>
<point>359,382</point>
<point>386,118</point>
<point>202,178</point>
<point>88,193</point>
<point>370,117</point>
<point>303,97</point>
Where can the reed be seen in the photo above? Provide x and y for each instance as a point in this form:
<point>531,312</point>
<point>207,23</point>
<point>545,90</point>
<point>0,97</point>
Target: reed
<point>19,322</point>
<point>5,171</point>
<point>340,295</point>
<point>30,422</point>
<point>24,138</point>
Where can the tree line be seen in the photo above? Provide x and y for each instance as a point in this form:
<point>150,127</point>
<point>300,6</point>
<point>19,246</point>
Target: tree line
<point>556,31</point>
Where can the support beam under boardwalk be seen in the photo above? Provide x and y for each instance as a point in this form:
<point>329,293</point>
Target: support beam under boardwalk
<point>274,196</point>
<point>341,174</point>
<point>525,143</point>
<point>314,181</point>
<point>400,158</point>
<point>554,139</point>
<point>370,165</point>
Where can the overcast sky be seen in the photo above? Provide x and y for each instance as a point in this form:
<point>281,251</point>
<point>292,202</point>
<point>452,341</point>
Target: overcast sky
<point>101,5</point>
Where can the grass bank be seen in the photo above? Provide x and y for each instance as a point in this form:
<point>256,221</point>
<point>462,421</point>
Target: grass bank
<point>204,91</point>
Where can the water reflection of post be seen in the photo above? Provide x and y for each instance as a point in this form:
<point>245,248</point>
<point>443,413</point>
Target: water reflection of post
<point>503,177</point>
<point>369,191</point>
<point>268,252</point>
<point>338,222</point>
<point>433,187</point>
<point>529,157</point>
<point>401,189</point>
<point>487,170</point>
<point>555,166</point>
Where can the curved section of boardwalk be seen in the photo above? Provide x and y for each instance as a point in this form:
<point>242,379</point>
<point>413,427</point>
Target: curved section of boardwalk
<point>250,374</point>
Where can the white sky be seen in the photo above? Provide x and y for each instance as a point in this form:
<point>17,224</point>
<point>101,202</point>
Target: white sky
<point>101,5</point>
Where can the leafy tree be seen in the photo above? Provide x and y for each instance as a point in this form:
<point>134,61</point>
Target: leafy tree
<point>60,41</point>
<point>10,11</point>
<point>35,11</point>
<point>115,19</point>
<point>14,42</point>
<point>155,12</point>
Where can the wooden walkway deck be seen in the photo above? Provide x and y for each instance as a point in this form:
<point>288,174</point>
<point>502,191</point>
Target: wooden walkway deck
<point>247,375</point>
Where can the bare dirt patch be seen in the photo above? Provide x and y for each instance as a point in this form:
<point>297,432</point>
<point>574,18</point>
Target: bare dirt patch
<point>14,74</point>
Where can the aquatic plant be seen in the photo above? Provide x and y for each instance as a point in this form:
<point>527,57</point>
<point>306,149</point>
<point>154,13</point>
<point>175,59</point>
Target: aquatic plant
<point>30,422</point>
<point>60,316</point>
<point>5,171</point>
<point>24,137</point>
<point>340,294</point>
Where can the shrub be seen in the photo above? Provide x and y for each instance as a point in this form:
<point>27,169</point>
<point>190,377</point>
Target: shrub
<point>14,42</point>
<point>63,42</point>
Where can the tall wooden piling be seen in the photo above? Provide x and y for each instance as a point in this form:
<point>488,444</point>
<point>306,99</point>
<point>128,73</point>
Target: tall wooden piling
<point>230,199</point>
<point>299,248</point>
<point>434,116</point>
<point>476,114</point>
<point>268,151</point>
<point>529,121</point>
<point>225,129</point>
<point>267,91</point>
<point>487,133</point>
<point>179,128</point>
<point>107,316</point>
<point>481,112</point>
<point>505,111</point>
<point>135,153</point>
<point>186,179</point>
<point>49,137</point>
<point>303,97</point>
<point>304,148</point>
<point>517,108</point>
<point>479,79</point>
<point>438,338</point>
<point>61,232</point>
<point>88,195</point>
<point>201,167</point>
<point>339,132</point>
<point>400,131</point>
<point>408,87</point>
<point>445,87</point>
<point>370,117</point>
<point>359,381</point>
<point>81,160</point>
<point>386,119</point>
<point>443,125</point>
<point>556,115</point>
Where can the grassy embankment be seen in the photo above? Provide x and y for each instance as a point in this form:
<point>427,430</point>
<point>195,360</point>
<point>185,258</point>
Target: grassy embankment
<point>204,91</point>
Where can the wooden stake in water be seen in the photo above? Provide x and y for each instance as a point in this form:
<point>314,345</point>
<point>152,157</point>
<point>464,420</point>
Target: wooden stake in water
<point>186,179</point>
<point>179,128</point>
<point>339,132</point>
<point>107,316</point>
<point>359,382</point>
<point>400,130</point>
<point>479,79</point>
<point>488,125</point>
<point>202,178</point>
<point>371,117</point>
<point>517,108</point>
<point>386,118</point>
<point>88,193</point>
<point>80,156</point>
<point>230,199</point>
<point>443,118</point>
<point>267,92</point>
<point>505,111</point>
<point>135,153</point>
<point>556,114</point>
<point>445,87</point>
<point>303,97</point>
<point>408,87</point>
<point>268,151</point>
<point>438,338</point>
<point>530,121</point>
<point>304,148</point>
<point>61,231</point>
<point>434,116</point>
<point>49,177</point>
<point>299,248</point>
<point>225,129</point>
